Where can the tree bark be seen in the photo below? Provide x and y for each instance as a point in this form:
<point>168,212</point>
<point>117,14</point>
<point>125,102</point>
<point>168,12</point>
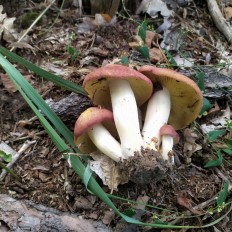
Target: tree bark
<point>22,216</point>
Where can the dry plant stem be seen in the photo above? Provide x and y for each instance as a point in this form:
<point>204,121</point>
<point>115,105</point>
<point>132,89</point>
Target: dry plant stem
<point>33,24</point>
<point>220,22</point>
<point>25,146</point>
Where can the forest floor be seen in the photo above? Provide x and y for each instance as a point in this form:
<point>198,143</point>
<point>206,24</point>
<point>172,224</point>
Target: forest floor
<point>71,48</point>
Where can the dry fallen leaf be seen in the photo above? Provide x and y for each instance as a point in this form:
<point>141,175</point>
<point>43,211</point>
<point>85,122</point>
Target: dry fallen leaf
<point>107,170</point>
<point>7,30</point>
<point>150,35</point>
<point>82,203</point>
<point>190,146</point>
<point>217,123</point>
<point>156,55</point>
<point>141,202</point>
<point>8,84</point>
<point>228,13</point>
<point>186,203</point>
<point>153,7</point>
<point>108,217</point>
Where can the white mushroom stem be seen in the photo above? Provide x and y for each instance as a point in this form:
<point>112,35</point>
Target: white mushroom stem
<point>126,116</point>
<point>167,145</point>
<point>157,114</point>
<point>105,142</point>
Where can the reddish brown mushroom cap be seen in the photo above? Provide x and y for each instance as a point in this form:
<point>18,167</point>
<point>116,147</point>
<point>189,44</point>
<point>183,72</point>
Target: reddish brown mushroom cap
<point>186,97</point>
<point>90,117</point>
<point>96,84</point>
<point>169,130</point>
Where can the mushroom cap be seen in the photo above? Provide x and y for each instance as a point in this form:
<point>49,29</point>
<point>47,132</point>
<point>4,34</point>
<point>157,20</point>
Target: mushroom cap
<point>169,130</point>
<point>90,117</point>
<point>96,84</point>
<point>186,97</point>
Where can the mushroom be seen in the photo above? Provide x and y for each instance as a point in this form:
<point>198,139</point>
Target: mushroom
<point>169,137</point>
<point>123,89</point>
<point>92,130</point>
<point>176,94</point>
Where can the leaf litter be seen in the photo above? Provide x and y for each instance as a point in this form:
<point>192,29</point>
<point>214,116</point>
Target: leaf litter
<point>45,171</point>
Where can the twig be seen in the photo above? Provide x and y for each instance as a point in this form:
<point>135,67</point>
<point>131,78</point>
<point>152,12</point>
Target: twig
<point>33,24</point>
<point>25,146</point>
<point>220,22</point>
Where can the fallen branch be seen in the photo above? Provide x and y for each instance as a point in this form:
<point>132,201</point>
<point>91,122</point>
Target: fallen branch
<point>18,215</point>
<point>222,25</point>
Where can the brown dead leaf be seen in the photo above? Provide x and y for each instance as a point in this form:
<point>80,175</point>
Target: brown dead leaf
<point>141,202</point>
<point>8,84</point>
<point>107,170</point>
<point>99,52</point>
<point>134,45</point>
<point>44,177</point>
<point>190,146</point>
<point>82,203</point>
<point>108,217</point>
<point>150,35</point>
<point>156,55</point>
<point>215,109</point>
<point>228,13</point>
<point>182,200</point>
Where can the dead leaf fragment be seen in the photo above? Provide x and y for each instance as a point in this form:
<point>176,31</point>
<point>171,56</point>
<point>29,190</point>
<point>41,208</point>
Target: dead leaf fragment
<point>8,84</point>
<point>152,7</point>
<point>107,170</point>
<point>182,200</point>
<point>150,35</point>
<point>156,55</point>
<point>108,217</point>
<point>228,13</point>
<point>141,202</point>
<point>82,203</point>
<point>7,30</point>
<point>190,145</point>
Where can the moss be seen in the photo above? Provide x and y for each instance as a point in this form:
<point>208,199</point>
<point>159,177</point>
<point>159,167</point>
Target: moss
<point>29,18</point>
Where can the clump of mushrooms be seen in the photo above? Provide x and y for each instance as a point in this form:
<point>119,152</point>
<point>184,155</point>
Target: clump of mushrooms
<point>172,102</point>
<point>123,90</point>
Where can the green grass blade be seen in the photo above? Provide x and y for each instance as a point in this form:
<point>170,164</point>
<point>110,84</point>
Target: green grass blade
<point>10,171</point>
<point>37,99</point>
<point>41,72</point>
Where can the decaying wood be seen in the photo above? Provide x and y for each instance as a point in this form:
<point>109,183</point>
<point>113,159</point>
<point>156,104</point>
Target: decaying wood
<point>26,216</point>
<point>70,107</point>
<point>222,25</point>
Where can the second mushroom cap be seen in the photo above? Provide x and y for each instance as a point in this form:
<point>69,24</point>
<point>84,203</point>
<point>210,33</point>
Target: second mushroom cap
<point>186,97</point>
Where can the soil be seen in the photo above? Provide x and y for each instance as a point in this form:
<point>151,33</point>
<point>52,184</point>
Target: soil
<point>182,194</point>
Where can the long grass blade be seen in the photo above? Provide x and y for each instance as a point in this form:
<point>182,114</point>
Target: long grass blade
<point>43,73</point>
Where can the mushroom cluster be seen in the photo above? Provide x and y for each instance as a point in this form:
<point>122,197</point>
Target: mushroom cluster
<point>136,110</point>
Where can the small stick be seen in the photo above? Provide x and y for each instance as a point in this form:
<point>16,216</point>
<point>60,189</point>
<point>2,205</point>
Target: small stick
<point>33,24</point>
<point>25,146</point>
<point>222,25</point>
